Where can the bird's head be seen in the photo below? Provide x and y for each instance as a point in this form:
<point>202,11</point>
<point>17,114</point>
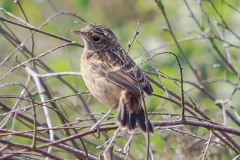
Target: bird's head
<point>96,37</point>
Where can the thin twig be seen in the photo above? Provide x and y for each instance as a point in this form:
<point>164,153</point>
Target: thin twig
<point>204,157</point>
<point>35,58</point>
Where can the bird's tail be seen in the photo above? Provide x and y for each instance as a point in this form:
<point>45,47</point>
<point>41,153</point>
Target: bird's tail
<point>129,118</point>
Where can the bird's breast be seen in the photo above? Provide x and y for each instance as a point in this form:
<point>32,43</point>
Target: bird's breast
<point>104,90</point>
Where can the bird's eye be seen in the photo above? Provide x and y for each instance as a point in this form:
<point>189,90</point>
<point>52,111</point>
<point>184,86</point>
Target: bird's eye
<point>95,38</point>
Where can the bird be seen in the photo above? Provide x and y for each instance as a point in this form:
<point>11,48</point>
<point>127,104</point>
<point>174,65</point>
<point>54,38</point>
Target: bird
<point>113,78</point>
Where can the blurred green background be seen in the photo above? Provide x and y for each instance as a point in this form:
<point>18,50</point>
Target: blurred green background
<point>122,17</point>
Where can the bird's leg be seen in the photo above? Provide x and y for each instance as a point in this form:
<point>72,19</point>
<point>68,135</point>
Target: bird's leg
<point>111,143</point>
<point>127,145</point>
<point>96,125</point>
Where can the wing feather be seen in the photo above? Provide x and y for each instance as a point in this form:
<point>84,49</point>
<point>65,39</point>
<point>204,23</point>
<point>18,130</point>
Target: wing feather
<point>124,77</point>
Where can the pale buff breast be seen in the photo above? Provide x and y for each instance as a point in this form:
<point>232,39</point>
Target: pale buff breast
<point>102,89</point>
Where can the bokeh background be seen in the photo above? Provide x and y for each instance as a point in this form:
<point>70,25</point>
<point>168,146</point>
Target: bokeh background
<point>214,92</point>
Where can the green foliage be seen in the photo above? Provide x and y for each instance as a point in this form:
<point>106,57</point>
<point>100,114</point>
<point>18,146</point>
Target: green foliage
<point>7,5</point>
<point>209,83</point>
<point>83,4</point>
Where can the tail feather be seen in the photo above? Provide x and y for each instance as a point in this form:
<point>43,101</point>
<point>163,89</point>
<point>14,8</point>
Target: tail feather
<point>131,125</point>
<point>122,115</point>
<point>144,126</point>
<point>129,119</point>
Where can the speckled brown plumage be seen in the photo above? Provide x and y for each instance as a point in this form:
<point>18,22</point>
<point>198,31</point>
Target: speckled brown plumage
<point>113,77</point>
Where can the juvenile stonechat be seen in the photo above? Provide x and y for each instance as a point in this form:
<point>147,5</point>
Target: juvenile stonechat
<point>113,77</point>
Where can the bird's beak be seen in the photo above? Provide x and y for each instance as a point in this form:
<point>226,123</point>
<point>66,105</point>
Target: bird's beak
<point>78,32</point>
<point>81,33</point>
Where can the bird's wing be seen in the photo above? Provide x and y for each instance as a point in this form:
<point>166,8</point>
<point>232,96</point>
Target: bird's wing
<point>129,78</point>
